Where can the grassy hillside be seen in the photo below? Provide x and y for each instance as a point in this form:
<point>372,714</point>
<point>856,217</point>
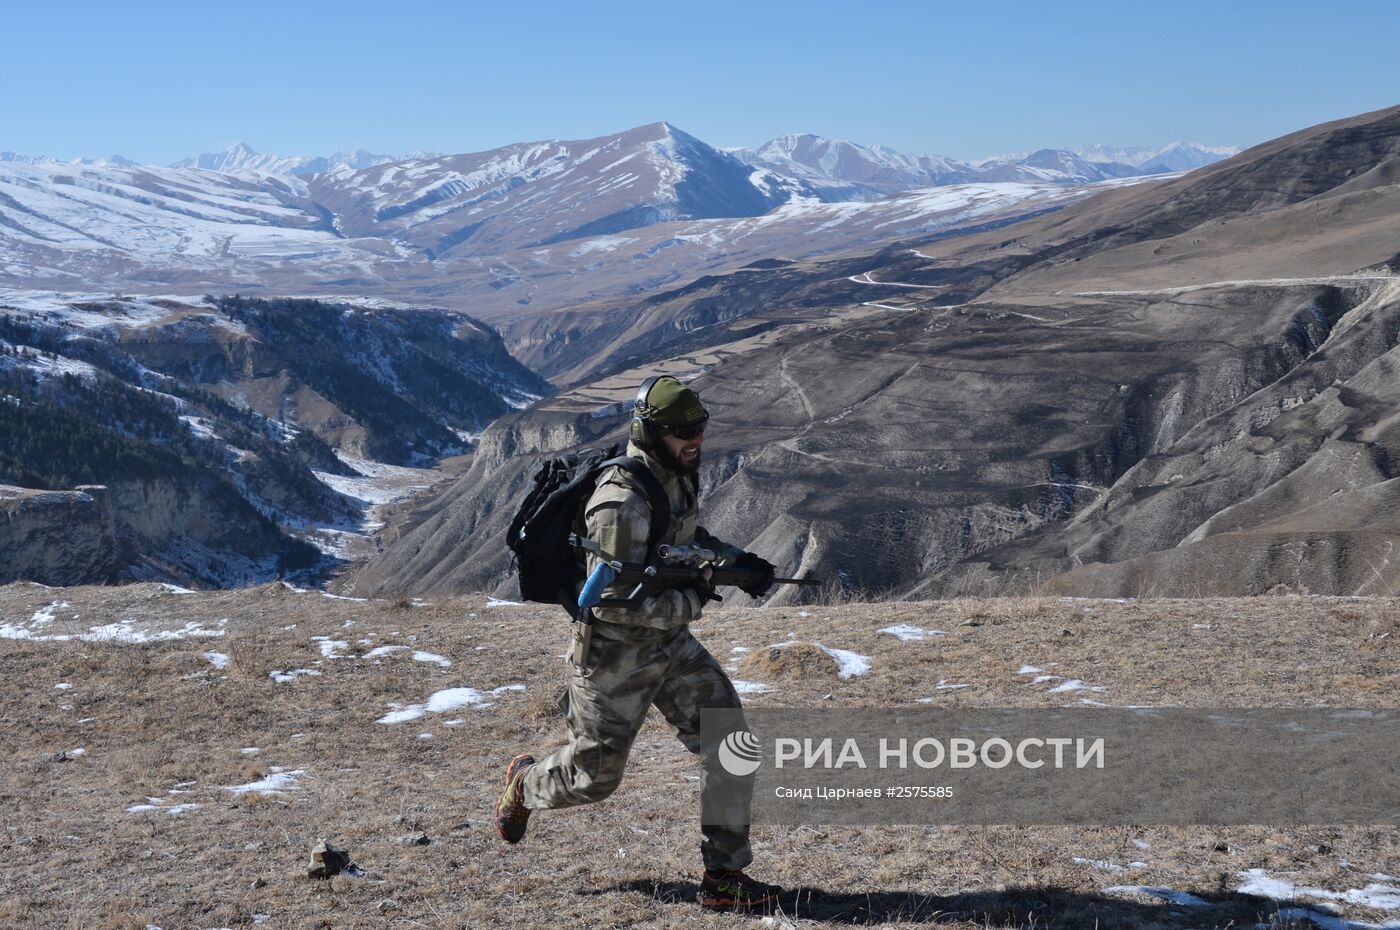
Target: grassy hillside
<point>101,724</point>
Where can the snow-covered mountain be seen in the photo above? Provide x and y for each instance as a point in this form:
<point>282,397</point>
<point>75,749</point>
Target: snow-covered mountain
<point>489,232</point>
<point>85,226</point>
<point>164,230</point>
<point>116,160</point>
<point>241,159</point>
<point>1175,156</point>
<point>542,192</point>
<point>839,170</point>
<point>1058,166</point>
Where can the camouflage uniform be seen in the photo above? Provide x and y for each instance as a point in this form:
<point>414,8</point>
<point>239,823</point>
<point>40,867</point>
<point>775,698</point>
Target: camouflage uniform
<point>639,658</point>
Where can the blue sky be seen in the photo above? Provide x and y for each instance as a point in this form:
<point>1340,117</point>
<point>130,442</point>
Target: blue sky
<point>157,81</point>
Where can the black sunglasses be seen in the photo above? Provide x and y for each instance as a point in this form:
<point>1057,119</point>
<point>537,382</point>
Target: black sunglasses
<point>686,433</point>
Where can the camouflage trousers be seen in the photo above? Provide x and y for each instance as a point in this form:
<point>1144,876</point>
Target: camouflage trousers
<point>607,703</point>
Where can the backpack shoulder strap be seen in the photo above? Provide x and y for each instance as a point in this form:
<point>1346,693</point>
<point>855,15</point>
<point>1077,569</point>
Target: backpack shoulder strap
<point>656,497</point>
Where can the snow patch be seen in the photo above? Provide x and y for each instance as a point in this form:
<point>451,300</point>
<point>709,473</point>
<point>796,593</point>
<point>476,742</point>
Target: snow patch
<point>1065,685</point>
<point>331,648</point>
<point>159,805</point>
<point>283,678</point>
<point>124,631</point>
<point>418,656</point>
<point>1100,864</point>
<point>941,686</point>
<point>602,244</point>
<point>450,699</point>
<point>1376,895</point>
<point>909,633</point>
<point>45,615</point>
<point>277,781</point>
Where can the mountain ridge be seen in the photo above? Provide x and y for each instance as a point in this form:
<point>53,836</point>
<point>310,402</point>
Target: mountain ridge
<point>240,158</point>
<point>539,225</point>
<point>837,169</point>
<point>994,427</point>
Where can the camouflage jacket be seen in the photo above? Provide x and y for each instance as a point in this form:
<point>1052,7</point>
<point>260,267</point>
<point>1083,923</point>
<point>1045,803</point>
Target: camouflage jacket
<point>618,518</point>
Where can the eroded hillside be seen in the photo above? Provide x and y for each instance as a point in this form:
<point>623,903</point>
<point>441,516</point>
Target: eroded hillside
<point>968,417</point>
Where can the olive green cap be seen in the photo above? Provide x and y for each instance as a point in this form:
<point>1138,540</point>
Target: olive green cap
<point>671,404</point>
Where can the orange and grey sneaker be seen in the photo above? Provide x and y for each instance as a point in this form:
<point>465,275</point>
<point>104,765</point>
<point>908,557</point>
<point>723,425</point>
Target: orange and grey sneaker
<point>512,816</point>
<point>735,889</point>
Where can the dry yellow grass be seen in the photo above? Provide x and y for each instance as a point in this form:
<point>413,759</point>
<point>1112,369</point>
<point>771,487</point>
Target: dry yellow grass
<point>788,662</point>
<point>158,717</point>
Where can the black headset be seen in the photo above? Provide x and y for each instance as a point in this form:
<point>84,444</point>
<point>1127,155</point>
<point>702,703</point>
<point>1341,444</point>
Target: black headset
<point>643,432</point>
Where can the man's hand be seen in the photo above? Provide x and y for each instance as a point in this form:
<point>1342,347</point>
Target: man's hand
<point>705,588</point>
<point>766,570</point>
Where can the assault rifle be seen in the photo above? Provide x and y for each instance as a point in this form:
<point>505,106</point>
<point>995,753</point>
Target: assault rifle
<point>681,566</point>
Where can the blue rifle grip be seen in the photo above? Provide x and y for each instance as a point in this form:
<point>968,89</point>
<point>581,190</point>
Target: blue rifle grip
<point>592,591</point>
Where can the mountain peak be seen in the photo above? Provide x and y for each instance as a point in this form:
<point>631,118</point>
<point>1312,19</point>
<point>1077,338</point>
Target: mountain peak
<point>662,130</point>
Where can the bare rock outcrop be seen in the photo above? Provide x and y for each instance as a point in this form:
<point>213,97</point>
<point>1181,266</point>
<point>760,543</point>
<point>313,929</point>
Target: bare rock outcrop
<point>57,537</point>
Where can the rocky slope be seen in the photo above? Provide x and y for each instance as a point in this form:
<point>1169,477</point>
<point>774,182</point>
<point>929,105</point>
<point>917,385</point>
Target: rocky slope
<point>231,433</point>
<point>58,537</point>
<point>1032,403</point>
<point>605,335</point>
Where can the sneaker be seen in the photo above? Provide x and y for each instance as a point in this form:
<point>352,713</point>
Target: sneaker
<point>512,815</point>
<point>735,889</point>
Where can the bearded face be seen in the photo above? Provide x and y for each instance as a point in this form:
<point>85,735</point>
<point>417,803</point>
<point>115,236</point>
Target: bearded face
<point>681,456</point>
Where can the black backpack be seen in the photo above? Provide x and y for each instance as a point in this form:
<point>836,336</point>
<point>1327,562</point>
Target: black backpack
<point>551,570</point>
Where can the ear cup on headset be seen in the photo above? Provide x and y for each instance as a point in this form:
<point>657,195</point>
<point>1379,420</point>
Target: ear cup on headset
<point>642,433</point>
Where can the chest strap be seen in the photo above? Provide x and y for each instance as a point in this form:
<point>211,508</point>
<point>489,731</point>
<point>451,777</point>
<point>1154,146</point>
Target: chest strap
<point>657,498</point>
